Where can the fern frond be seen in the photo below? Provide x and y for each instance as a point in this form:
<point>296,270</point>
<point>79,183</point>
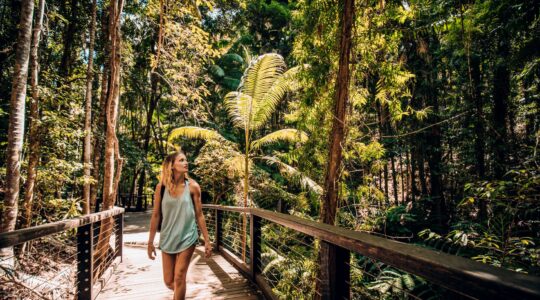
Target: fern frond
<point>288,135</point>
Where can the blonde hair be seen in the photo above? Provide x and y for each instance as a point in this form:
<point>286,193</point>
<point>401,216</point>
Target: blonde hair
<point>166,177</point>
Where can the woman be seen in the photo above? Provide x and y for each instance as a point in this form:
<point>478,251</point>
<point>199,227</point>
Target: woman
<point>180,207</point>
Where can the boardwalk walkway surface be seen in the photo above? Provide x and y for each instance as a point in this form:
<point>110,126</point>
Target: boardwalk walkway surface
<point>138,277</point>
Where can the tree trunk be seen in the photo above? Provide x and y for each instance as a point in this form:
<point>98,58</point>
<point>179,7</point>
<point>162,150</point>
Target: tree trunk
<point>16,121</point>
<point>112,174</point>
<point>380,114</point>
<point>434,141</point>
<point>327,254</point>
<point>421,171</point>
<point>69,35</point>
<point>404,176</point>
<point>479,148</point>
<point>501,92</point>
<point>394,180</point>
<point>412,180</point>
<point>99,138</point>
<point>154,99</point>
<point>111,141</point>
<point>33,138</point>
<point>479,121</point>
<point>88,113</point>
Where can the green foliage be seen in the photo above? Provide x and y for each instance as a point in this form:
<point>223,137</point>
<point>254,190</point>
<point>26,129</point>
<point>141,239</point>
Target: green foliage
<point>289,266</point>
<point>506,238</point>
<point>263,86</point>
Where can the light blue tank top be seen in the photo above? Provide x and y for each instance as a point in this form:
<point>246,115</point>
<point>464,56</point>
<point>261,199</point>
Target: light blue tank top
<point>178,228</point>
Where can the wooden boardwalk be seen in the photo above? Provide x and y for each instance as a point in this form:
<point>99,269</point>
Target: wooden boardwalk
<point>138,277</point>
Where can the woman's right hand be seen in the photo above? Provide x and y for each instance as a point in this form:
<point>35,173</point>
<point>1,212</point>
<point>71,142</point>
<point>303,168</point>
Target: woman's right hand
<point>151,251</point>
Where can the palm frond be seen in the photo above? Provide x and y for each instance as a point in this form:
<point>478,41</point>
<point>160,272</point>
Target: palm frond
<point>258,79</point>
<point>239,107</point>
<point>261,74</point>
<point>194,132</point>
<point>237,164</point>
<point>263,108</point>
<point>288,135</point>
<point>295,175</point>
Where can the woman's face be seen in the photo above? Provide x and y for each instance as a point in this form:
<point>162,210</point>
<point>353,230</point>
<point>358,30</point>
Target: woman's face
<point>180,163</point>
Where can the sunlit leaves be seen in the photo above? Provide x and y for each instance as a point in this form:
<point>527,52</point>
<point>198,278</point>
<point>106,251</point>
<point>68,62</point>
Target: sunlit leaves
<point>262,87</point>
<point>194,132</point>
<point>288,135</point>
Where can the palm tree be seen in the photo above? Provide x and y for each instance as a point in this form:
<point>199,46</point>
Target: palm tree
<point>263,85</point>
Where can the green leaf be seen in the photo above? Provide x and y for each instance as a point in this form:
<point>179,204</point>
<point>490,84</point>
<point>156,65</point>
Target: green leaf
<point>288,135</point>
<point>194,132</point>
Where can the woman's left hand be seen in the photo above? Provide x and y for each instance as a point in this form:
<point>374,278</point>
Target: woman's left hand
<point>207,249</point>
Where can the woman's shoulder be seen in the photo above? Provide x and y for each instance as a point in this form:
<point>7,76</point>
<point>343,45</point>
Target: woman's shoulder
<point>193,185</point>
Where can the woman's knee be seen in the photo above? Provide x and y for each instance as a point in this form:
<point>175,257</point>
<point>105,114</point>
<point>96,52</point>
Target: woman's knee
<point>180,279</point>
<point>170,285</point>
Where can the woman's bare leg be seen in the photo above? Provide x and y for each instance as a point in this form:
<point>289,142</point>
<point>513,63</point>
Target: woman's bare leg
<point>180,271</point>
<point>169,261</point>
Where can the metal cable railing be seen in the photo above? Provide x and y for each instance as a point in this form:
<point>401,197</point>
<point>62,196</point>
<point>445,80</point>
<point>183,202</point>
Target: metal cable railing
<point>295,258</point>
<point>70,259</point>
<point>287,261</point>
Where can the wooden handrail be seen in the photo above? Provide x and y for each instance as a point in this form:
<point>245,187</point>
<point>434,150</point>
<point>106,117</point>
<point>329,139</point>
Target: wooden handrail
<point>87,286</point>
<point>12,238</point>
<point>458,274</point>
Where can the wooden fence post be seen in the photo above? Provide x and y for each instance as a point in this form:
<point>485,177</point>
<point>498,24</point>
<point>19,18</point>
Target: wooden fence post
<point>85,264</point>
<point>119,232</point>
<point>219,229</point>
<point>255,249</point>
<point>335,271</point>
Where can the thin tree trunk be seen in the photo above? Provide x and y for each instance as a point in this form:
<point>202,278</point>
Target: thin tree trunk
<point>412,180</point>
<point>88,113</point>
<point>16,122</point>
<point>99,139</point>
<point>403,178</point>
<point>69,35</point>
<point>422,174</point>
<point>328,254</point>
<point>394,180</point>
<point>501,93</point>
<point>33,139</point>
<point>154,99</point>
<point>112,150</point>
<point>434,141</point>
<point>111,141</point>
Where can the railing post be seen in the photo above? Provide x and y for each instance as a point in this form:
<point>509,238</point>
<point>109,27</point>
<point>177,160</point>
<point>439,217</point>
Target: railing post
<point>119,232</point>
<point>85,265</point>
<point>335,271</point>
<point>255,249</point>
<point>219,217</point>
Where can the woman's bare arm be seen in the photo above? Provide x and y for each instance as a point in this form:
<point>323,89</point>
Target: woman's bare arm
<point>154,221</point>
<point>195,191</point>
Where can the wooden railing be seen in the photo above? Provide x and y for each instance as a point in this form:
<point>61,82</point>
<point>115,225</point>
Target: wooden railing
<point>97,248</point>
<point>460,277</point>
